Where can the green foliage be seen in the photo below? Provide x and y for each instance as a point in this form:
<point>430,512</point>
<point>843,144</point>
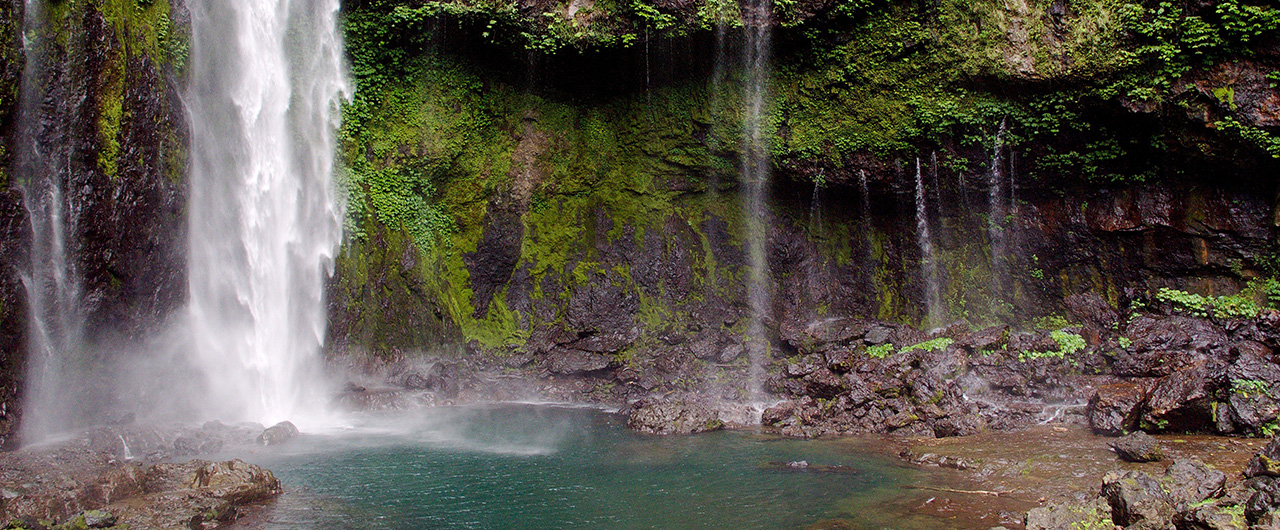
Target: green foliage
<point>1124,342</point>
<point>880,351</point>
<point>1068,344</point>
<point>1237,306</point>
<point>1246,387</point>
<point>940,343</point>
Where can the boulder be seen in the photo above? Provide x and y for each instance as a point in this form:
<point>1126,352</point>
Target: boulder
<point>1136,497</point>
<point>572,362</point>
<point>279,433</point>
<point>673,416</point>
<point>1137,447</point>
<point>1221,515</point>
<point>1114,409</point>
<point>1191,481</point>
<point>1266,462</point>
<point>1095,514</point>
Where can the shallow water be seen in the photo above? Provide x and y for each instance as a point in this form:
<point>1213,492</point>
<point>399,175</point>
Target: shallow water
<point>510,467</point>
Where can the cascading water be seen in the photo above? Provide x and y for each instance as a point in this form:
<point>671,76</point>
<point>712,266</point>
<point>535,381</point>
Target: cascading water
<point>267,78</point>
<point>928,261</point>
<point>55,337</point>
<point>755,180</point>
<point>996,212</point>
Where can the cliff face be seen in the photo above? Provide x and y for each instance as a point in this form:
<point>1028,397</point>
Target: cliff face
<point>105,126</point>
<point>576,205</point>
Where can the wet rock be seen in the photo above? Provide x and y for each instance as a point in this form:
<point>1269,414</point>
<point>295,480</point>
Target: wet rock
<point>1137,447</point>
<point>1162,346</point>
<point>1266,462</point>
<point>415,381</point>
<point>673,416</point>
<point>1136,497</point>
<point>1115,409</point>
<point>878,335</point>
<point>99,519</point>
<point>985,340</point>
<point>1183,400</point>
<point>279,433</point>
<point>573,362</point>
<point>1070,516</point>
<point>1190,481</point>
<point>1264,497</point>
<point>1222,515</point>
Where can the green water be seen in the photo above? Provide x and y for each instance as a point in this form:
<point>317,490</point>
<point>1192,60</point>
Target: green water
<point>538,467</point>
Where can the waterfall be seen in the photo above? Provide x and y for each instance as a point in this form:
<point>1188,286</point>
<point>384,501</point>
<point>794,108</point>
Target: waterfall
<point>55,393</point>
<point>266,81</point>
<point>755,180</point>
<point>928,261</point>
<point>996,212</point>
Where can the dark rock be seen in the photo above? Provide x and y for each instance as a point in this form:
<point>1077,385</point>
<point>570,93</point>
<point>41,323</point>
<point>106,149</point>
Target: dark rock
<point>279,433</point>
<point>1266,462</point>
<point>99,519</point>
<point>673,416</point>
<point>1191,481</point>
<point>1183,400</point>
<point>1222,515</point>
<point>415,381</point>
<point>985,340</point>
<point>1264,497</point>
<point>878,335</point>
<point>1162,346</point>
<point>1115,409</point>
<point>571,362</point>
<point>1095,514</point>
<point>1137,447</point>
<point>1135,497</point>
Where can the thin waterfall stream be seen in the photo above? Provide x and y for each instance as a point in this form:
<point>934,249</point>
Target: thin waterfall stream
<point>756,176</point>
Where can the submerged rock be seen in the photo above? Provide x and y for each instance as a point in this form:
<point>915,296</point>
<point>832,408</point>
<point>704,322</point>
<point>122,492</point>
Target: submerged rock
<point>1137,447</point>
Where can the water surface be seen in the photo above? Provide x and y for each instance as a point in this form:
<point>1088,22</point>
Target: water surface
<point>514,467</point>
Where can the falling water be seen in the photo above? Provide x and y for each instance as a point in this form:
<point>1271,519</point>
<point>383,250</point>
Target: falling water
<point>264,220</point>
<point>996,213</point>
<point>755,179</point>
<point>55,335</point>
<point>928,261</point>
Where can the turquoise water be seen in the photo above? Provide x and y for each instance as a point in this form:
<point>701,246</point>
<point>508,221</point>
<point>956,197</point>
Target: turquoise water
<point>539,467</point>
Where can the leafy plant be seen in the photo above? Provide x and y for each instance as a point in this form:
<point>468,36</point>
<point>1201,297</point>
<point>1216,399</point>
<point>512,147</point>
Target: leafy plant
<point>880,351</point>
<point>940,343</point>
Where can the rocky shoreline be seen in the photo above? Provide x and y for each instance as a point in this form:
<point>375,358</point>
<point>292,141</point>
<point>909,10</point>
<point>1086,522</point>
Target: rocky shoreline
<point>139,477</point>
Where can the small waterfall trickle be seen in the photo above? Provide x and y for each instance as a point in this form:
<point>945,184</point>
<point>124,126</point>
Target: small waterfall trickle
<point>55,392</point>
<point>996,213</point>
<point>756,175</point>
<point>928,261</point>
<point>266,81</point>
<point>816,228</point>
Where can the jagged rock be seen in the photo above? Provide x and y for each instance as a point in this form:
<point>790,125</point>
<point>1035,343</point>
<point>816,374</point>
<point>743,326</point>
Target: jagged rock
<point>1222,515</point>
<point>1266,462</point>
<point>572,362</point>
<point>673,416</point>
<point>99,519</point>
<point>1095,514</point>
<point>1190,481</point>
<point>1137,447</point>
<point>1264,497</point>
<point>279,433</point>
<point>1115,409</point>
<point>1136,497</point>
<point>1183,400</point>
<point>985,340</point>
<point>1162,346</point>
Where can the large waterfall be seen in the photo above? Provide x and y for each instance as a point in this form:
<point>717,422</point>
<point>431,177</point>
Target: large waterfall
<point>265,222</point>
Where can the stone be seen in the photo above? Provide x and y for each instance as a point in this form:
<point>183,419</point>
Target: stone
<point>1266,462</point>
<point>878,335</point>
<point>99,519</point>
<point>1114,409</point>
<point>1094,515</point>
<point>1136,497</point>
<point>673,416</point>
<point>1221,515</point>
<point>572,362</point>
<point>279,433</point>
<point>1137,447</point>
<point>1191,481</point>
